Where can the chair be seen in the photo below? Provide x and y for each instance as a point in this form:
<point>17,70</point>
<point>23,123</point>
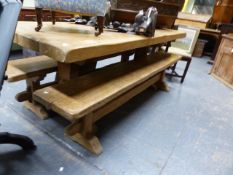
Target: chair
<point>184,47</point>
<point>9,12</point>
<point>83,7</point>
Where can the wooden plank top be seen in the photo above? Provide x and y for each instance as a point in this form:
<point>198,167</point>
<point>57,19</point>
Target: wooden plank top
<point>22,69</point>
<point>75,98</point>
<point>66,42</point>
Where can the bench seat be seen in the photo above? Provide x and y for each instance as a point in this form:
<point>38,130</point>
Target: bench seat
<point>78,97</point>
<point>25,68</point>
<point>86,99</point>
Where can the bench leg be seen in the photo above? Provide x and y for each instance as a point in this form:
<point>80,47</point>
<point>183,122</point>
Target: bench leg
<point>53,15</point>
<point>37,109</point>
<point>161,84</point>
<point>33,84</point>
<point>39,16</point>
<point>83,133</point>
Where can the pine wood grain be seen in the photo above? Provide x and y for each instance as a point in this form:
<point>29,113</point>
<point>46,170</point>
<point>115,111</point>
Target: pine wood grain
<point>66,42</point>
<point>30,67</point>
<point>78,97</point>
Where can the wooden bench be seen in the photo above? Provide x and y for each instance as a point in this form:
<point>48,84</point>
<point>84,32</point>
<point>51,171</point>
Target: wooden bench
<point>26,68</point>
<point>33,70</point>
<point>88,98</point>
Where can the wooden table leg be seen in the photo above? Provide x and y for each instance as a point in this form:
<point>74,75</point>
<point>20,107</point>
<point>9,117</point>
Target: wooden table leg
<point>125,56</point>
<point>141,53</point>
<point>68,71</point>
<point>83,133</point>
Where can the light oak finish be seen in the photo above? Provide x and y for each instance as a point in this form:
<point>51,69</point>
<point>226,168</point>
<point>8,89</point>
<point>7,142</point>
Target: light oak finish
<point>23,69</point>
<point>86,99</point>
<point>83,94</point>
<point>92,143</point>
<point>66,42</point>
<point>37,109</point>
<point>223,65</point>
<point>33,70</point>
<point>77,97</point>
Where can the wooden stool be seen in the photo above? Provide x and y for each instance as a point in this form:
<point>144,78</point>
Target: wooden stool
<point>173,69</point>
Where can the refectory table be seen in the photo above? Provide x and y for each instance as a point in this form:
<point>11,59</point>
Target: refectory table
<point>82,93</point>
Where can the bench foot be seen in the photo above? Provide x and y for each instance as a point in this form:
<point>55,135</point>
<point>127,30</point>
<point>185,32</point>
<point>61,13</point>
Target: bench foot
<point>163,86</point>
<point>82,133</point>
<point>92,144</point>
<point>37,109</point>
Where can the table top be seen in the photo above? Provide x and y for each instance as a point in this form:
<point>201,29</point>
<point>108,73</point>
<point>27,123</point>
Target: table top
<point>66,42</point>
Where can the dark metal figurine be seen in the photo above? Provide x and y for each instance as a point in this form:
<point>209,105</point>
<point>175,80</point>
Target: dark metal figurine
<point>145,22</point>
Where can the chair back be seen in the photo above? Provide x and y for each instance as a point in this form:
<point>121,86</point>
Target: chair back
<point>9,13</point>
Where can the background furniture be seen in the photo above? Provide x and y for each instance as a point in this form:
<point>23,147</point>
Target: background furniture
<point>200,7</point>
<point>125,10</point>
<point>83,7</point>
<point>224,29</point>
<point>223,65</point>
<point>185,48</point>
<point>220,11</point>
<point>9,12</point>
<point>198,20</point>
<point>199,48</point>
<point>223,12</point>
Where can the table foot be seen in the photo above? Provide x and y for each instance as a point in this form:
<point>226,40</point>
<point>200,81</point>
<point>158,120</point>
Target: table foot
<point>83,133</point>
<point>37,109</point>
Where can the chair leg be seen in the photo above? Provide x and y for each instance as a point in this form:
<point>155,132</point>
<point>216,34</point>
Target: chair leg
<point>100,21</point>
<point>39,15</point>
<point>53,14</point>
<point>186,69</point>
<point>23,141</point>
<point>173,68</point>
